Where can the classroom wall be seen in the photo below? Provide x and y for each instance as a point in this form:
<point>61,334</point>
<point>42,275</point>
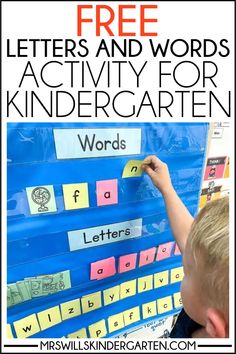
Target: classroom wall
<point>217,167</point>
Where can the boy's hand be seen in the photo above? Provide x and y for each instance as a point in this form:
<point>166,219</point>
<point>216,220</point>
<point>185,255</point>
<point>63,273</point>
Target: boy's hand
<point>159,173</point>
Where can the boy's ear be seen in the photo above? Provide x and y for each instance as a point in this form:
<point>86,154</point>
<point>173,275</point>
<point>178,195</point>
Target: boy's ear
<point>216,325</point>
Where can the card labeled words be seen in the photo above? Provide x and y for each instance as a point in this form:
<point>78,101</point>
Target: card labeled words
<point>99,235</point>
<point>83,143</point>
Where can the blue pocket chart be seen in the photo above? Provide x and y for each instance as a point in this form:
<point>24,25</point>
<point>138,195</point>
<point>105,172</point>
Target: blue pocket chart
<point>90,249</point>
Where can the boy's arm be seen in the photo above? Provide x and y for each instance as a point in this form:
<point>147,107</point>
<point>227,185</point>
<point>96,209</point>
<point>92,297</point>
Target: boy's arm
<point>180,218</point>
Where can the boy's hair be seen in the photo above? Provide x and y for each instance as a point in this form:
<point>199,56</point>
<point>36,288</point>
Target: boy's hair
<point>209,241</point>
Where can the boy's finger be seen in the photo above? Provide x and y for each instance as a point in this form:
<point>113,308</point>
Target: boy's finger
<point>152,160</point>
<point>150,171</point>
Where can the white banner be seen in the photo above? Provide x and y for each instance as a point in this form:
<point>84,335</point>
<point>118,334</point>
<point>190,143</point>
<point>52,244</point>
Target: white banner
<point>81,143</point>
<point>97,236</point>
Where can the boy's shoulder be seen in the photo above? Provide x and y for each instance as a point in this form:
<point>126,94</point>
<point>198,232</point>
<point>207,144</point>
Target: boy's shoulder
<point>184,326</point>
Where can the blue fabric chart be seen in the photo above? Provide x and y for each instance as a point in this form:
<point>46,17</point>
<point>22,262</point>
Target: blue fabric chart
<point>38,244</point>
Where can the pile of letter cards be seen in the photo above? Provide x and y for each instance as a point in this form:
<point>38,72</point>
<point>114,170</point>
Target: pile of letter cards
<point>90,248</point>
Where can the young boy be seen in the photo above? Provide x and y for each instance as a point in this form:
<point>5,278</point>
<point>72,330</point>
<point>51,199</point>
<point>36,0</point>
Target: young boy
<point>204,244</point>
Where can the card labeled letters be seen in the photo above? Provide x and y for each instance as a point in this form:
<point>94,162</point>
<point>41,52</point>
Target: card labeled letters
<point>116,322</point>
<point>70,309</point>
<point>145,283</point>
<point>75,196</point>
<point>81,333</point>
<point>107,192</point>
<point>100,235</point>
<point>177,300</point>
<point>176,274</point>
<point>147,256</point>
<point>103,269</point>
<point>177,250</point>
<point>127,262</point>
<point>131,315</point>
<point>133,169</point>
<point>149,309</point>
<point>161,279</point>
<point>91,302</point>
<point>98,329</point>
<point>9,331</point>
<point>49,317</point>
<point>111,295</point>
<point>128,288</point>
<point>164,250</point>
<point>26,326</point>
<point>164,304</point>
